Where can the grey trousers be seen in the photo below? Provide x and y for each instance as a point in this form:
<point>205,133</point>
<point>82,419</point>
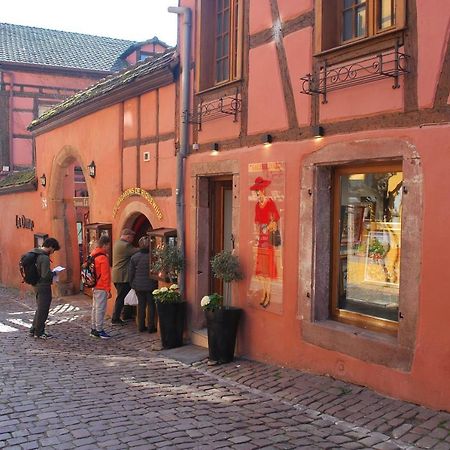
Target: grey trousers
<point>99,300</point>
<point>43,301</point>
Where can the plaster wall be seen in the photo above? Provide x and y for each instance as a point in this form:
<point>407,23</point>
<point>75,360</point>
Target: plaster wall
<point>431,57</point>
<point>262,331</point>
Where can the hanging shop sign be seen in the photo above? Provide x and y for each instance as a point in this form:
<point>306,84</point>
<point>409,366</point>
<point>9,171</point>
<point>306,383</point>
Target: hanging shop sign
<point>82,202</point>
<point>24,222</point>
<point>141,193</point>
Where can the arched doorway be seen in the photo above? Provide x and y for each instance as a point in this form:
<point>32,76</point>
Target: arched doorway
<point>68,202</point>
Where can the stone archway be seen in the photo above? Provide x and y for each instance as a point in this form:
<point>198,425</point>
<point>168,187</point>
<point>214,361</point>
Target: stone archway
<point>63,218</point>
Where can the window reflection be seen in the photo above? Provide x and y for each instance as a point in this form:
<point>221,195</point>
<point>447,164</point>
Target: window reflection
<point>369,249</point>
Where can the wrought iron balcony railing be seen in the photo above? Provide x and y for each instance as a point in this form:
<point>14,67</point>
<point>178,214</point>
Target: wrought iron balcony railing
<point>332,78</point>
<point>214,109</point>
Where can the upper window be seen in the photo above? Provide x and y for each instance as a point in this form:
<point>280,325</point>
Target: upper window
<point>347,21</point>
<point>220,42</point>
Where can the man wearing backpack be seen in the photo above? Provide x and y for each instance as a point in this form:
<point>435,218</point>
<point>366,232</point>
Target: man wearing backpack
<point>43,288</point>
<point>122,253</point>
<point>102,289</point>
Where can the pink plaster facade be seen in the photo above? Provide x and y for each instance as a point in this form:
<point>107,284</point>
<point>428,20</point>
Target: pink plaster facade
<point>364,124</point>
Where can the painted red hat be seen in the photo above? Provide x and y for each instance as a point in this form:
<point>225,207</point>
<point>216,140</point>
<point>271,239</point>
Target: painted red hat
<point>260,183</point>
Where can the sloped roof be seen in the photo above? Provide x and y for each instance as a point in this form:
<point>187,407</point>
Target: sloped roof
<point>62,49</point>
<point>167,60</point>
<point>19,178</point>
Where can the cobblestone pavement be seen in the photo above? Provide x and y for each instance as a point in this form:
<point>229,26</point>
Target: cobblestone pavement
<point>74,391</point>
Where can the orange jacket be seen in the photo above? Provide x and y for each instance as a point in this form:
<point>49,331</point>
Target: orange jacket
<point>102,269</point>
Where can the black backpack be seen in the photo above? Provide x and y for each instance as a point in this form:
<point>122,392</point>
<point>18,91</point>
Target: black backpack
<point>88,272</point>
<point>28,268</point>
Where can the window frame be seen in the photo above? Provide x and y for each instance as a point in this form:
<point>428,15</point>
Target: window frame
<point>315,234</point>
<point>375,39</point>
<point>351,317</point>
<point>206,53</point>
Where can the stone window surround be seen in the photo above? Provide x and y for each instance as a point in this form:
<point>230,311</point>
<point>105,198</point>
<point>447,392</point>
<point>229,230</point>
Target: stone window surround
<point>315,250</point>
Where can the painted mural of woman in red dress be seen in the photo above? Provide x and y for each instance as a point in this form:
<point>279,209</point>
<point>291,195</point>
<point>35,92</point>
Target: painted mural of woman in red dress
<point>266,221</point>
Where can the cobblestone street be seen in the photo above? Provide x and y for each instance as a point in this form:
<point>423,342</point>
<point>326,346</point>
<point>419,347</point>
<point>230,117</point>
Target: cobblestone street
<point>74,391</point>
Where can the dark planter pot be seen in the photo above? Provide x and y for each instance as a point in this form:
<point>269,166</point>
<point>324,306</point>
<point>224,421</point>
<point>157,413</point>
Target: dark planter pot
<point>171,323</point>
<point>222,330</point>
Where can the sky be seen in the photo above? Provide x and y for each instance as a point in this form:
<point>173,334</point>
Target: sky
<point>134,20</point>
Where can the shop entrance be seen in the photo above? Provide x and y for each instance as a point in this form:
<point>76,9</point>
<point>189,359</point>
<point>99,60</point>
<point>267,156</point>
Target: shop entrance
<point>140,224</point>
<point>220,226</point>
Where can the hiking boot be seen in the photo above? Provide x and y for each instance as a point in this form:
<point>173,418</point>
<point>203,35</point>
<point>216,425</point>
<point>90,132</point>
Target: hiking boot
<point>43,336</point>
<point>103,334</point>
<point>94,333</point>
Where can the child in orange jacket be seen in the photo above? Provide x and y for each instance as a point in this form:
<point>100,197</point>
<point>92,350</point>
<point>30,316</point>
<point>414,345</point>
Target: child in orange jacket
<point>102,290</point>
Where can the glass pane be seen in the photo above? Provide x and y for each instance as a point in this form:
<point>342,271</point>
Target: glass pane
<point>219,24</point>
<point>386,16</point>
<point>361,21</point>
<point>347,31</point>
<point>226,21</point>
<point>348,3</point>
<point>370,243</point>
<point>219,46</point>
<point>219,70</point>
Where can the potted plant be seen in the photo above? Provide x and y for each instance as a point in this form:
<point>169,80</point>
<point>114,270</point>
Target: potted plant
<point>169,304</point>
<point>222,319</point>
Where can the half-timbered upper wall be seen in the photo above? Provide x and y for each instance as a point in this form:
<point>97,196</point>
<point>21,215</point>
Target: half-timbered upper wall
<point>285,40</point>
<point>29,94</point>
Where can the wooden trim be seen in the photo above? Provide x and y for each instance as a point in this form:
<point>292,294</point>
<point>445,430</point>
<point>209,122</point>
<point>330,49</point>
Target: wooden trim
<point>410,91</point>
<point>120,130</point>
<point>22,136</point>
<point>347,126</point>
<point>156,80</point>
<point>43,68</point>
<point>149,140</point>
<point>245,73</point>
<point>284,70</point>
<point>443,87</point>
<point>157,142</point>
<point>138,146</point>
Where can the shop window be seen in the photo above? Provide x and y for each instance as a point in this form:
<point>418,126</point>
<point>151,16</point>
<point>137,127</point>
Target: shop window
<point>220,47</point>
<point>360,250</point>
<point>349,21</point>
<point>367,207</point>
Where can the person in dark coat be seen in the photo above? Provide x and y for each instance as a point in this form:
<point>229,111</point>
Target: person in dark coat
<point>141,282</point>
<point>43,288</point>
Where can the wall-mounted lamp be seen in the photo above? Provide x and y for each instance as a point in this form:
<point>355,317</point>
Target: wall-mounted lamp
<point>43,180</point>
<point>267,139</point>
<point>215,149</point>
<point>318,131</point>
<point>92,170</point>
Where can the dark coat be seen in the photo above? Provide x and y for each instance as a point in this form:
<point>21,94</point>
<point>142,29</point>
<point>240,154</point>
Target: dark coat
<point>139,271</point>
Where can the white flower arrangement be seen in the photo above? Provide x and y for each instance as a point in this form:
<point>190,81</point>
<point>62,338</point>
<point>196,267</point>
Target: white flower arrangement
<point>169,294</point>
<point>211,302</point>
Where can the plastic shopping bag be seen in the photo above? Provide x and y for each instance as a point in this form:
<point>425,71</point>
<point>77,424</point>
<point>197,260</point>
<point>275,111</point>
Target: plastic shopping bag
<point>131,298</point>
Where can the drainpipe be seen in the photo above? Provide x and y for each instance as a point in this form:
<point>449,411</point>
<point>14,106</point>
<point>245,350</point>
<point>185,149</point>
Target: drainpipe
<point>184,133</point>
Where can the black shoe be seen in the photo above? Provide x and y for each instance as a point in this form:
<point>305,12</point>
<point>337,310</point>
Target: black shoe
<point>117,322</point>
<point>152,330</point>
<point>43,336</point>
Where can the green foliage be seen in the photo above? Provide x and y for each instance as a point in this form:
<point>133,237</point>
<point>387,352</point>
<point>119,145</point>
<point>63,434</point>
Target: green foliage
<point>377,249</point>
<point>211,302</point>
<point>168,261</point>
<point>226,266</point>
